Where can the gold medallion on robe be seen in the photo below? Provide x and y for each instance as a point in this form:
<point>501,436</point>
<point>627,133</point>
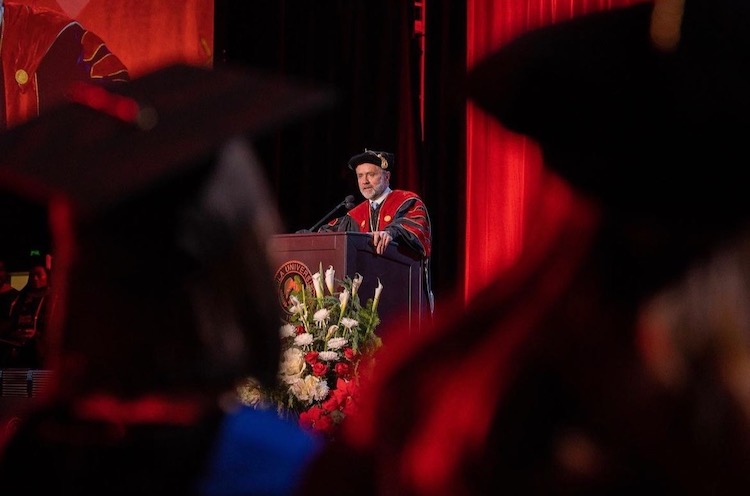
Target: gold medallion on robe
<point>22,77</point>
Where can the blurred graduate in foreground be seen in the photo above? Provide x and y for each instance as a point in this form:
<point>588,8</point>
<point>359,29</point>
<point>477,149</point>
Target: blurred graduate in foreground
<point>160,216</point>
<point>614,357</point>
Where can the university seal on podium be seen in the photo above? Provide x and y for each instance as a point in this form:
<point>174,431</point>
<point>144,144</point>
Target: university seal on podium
<point>292,277</point>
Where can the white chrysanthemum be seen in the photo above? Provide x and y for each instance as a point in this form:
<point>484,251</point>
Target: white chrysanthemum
<point>309,389</point>
<point>304,339</point>
<point>328,356</point>
<point>321,390</point>
<point>349,323</point>
<point>321,316</point>
<point>337,343</point>
<point>287,331</point>
<point>292,365</point>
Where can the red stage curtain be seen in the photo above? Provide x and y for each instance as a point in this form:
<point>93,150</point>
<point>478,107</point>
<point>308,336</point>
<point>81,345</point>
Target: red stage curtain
<point>503,170</point>
<point>146,34</point>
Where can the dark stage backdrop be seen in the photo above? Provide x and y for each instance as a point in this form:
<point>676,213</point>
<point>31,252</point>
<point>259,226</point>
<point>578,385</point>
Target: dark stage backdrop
<point>369,53</point>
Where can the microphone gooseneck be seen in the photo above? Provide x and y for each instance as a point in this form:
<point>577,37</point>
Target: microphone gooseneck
<point>348,204</point>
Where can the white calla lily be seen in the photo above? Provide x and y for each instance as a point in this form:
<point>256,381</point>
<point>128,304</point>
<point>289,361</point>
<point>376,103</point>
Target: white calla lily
<point>378,290</point>
<point>329,278</point>
<point>297,307</point>
<point>344,300</point>
<point>318,285</point>
<point>356,283</point>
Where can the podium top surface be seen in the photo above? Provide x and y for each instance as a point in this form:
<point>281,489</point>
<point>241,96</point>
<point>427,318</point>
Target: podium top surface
<point>305,242</point>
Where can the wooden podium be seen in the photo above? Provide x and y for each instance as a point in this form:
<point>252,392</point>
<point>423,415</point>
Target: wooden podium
<point>399,270</point>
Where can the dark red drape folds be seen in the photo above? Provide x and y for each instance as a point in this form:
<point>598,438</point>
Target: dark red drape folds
<point>503,168</point>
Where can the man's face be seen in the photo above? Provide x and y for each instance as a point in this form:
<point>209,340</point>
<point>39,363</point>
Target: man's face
<point>372,180</point>
<point>38,277</point>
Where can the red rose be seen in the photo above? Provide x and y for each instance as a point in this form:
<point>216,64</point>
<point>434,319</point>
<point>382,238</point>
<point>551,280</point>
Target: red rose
<point>340,396</point>
<point>325,424</point>
<point>319,369</point>
<point>348,387</point>
<point>299,329</point>
<point>309,418</point>
<point>311,357</point>
<point>342,369</point>
<point>350,354</point>
<point>317,419</point>
<point>332,403</point>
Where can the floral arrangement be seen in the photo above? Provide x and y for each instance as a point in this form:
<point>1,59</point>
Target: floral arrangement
<point>325,341</point>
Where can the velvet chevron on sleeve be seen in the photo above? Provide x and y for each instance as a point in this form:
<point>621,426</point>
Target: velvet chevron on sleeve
<point>403,214</point>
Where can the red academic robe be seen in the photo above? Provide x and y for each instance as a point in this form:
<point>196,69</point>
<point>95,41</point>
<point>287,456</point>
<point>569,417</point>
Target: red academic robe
<point>42,52</point>
<point>403,214</point>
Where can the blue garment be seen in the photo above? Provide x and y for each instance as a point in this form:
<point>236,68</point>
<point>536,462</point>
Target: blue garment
<point>257,453</point>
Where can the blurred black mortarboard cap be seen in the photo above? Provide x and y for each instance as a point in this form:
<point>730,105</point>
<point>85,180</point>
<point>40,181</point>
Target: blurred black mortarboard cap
<point>654,128</point>
<point>168,119</point>
<point>384,160</point>
<point>169,214</point>
<point>643,128</point>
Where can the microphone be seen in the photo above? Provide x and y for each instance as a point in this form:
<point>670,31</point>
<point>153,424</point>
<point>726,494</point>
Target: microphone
<point>348,204</point>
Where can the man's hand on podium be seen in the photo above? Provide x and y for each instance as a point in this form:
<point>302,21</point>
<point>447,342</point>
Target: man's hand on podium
<point>381,240</point>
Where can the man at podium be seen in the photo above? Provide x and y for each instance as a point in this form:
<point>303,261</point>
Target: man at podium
<point>389,214</point>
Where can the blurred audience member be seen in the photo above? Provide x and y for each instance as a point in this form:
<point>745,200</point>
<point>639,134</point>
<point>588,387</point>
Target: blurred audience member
<point>8,295</point>
<point>144,395</point>
<point>23,345</point>
<point>614,357</point>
